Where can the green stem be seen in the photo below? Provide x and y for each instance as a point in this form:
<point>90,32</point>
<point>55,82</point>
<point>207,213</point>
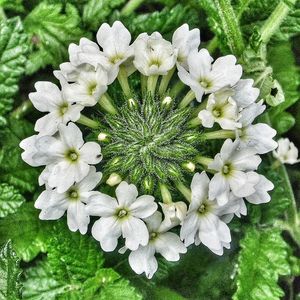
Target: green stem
<point>212,45</point>
<point>194,122</point>
<point>165,81</point>
<point>143,84</point>
<point>186,192</point>
<point>176,89</point>
<point>230,26</point>
<point>219,134</point>
<point>2,14</point>
<point>106,103</point>
<point>165,194</point>
<point>123,80</point>
<point>22,110</point>
<point>151,84</point>
<point>203,160</point>
<point>130,7</point>
<point>188,98</point>
<point>200,107</point>
<point>88,122</point>
<point>272,24</point>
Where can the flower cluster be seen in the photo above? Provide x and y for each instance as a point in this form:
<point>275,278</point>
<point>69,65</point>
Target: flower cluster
<point>156,140</point>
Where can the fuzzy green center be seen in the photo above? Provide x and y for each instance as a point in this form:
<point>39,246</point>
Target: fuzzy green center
<point>204,208</point>
<point>73,195</point>
<point>122,213</point>
<point>72,155</point>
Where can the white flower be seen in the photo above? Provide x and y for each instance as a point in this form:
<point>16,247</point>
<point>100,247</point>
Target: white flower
<point>202,223</point>
<point>121,216</point>
<point>115,43</point>
<point>153,55</point>
<point>233,166</point>
<point>261,191</point>
<point>205,77</point>
<point>54,204</point>
<point>49,98</point>
<point>244,93</point>
<point>89,86</point>
<point>165,243</point>
<point>28,145</point>
<point>222,109</point>
<point>174,213</point>
<point>185,41</point>
<point>67,156</point>
<point>287,152</point>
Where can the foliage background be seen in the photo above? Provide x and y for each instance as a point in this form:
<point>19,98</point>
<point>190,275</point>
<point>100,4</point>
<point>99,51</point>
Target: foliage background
<point>44,260</point>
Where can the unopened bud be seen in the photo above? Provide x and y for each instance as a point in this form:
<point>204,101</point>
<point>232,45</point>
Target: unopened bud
<point>167,101</point>
<point>132,103</point>
<point>190,166</point>
<point>114,179</point>
<point>102,136</point>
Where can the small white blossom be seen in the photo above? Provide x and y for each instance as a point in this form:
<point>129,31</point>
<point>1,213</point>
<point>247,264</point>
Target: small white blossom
<point>54,204</point>
<point>287,152</point>
<point>165,243</point>
<point>185,41</point>
<point>222,109</point>
<point>205,77</point>
<point>153,55</point>
<point>233,166</point>
<point>67,156</point>
<point>28,145</point>
<point>173,212</point>
<point>202,223</point>
<point>49,98</point>
<point>121,216</point>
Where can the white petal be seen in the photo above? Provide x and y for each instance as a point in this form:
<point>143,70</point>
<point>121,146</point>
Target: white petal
<point>28,145</point>
<point>245,93</point>
<point>47,125</point>
<point>199,188</point>
<point>71,135</point>
<point>90,153</point>
<point>217,186</point>
<point>102,205</point>
<point>126,193</point>
<point>143,207</point>
<point>90,181</point>
<point>78,218</point>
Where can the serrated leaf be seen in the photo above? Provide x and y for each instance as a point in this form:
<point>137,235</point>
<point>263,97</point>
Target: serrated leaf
<point>13,5</point>
<point>9,273</point>
<point>12,60</point>
<point>29,235</point>
<point>261,261</point>
<point>51,29</point>
<point>95,12</point>
<point>10,199</point>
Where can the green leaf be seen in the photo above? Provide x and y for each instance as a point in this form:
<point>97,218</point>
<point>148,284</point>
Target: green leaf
<point>9,273</point>
<point>12,61</point>
<point>261,261</point>
<point>13,5</point>
<point>51,30</point>
<point>10,199</point>
<point>95,12</point>
<point>29,235</point>
<point>13,169</point>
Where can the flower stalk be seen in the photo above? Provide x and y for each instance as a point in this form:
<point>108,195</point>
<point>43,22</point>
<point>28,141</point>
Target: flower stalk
<point>219,135</point>
<point>186,192</point>
<point>22,110</point>
<point>165,194</point>
<point>83,120</point>
<point>165,81</point>
<point>188,98</point>
<point>123,80</point>
<point>151,84</point>
<point>106,103</point>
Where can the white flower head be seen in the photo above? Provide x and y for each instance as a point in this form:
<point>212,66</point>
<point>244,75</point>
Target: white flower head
<point>67,156</point>
<point>153,55</point>
<point>53,204</point>
<point>121,216</point>
<point>167,244</point>
<point>202,223</point>
<point>174,213</point>
<point>233,166</point>
<point>49,98</point>
<point>28,145</point>
<point>205,77</point>
<point>287,152</point>
<point>185,41</point>
<point>222,109</point>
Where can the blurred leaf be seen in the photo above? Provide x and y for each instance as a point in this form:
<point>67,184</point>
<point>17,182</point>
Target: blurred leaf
<point>29,235</point>
<point>13,5</point>
<point>51,30</point>
<point>10,199</point>
<point>9,273</point>
<point>95,12</point>
<point>262,259</point>
<point>12,60</point>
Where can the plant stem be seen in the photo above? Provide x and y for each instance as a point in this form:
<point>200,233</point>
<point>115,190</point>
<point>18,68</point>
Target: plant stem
<point>230,26</point>
<point>88,122</point>
<point>212,45</point>
<point>123,80</point>
<point>188,98</point>
<point>219,134</point>
<point>195,122</point>
<point>165,81</point>
<point>200,107</point>
<point>130,7</point>
<point>2,14</point>
<point>22,110</point>
<point>151,84</point>
<point>272,24</point>
<point>176,89</point>
<point>186,192</point>
<point>203,160</point>
<point>106,103</point>
<point>165,194</point>
<point>143,84</point>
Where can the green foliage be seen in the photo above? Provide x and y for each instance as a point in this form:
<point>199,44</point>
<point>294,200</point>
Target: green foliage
<point>9,273</point>
<point>12,61</point>
<point>10,199</point>
<point>263,258</point>
<point>51,30</point>
<point>15,5</point>
<point>95,12</point>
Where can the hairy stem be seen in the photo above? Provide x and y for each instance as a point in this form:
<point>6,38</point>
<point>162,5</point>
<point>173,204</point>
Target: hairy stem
<point>88,122</point>
<point>203,160</point>
<point>194,122</point>
<point>106,103</point>
<point>165,81</point>
<point>130,7</point>
<point>151,84</point>
<point>219,134</point>
<point>188,98</point>
<point>123,80</point>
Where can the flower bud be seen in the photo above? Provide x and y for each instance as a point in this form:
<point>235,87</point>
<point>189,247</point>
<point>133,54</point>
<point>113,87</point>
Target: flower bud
<point>190,166</point>
<point>114,179</point>
<point>174,213</point>
<point>102,137</point>
<point>167,101</point>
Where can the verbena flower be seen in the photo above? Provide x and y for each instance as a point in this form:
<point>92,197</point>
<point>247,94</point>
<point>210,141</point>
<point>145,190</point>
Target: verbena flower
<point>155,140</point>
<point>287,152</point>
